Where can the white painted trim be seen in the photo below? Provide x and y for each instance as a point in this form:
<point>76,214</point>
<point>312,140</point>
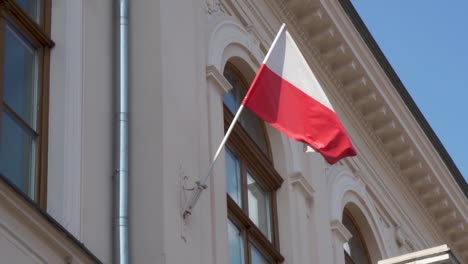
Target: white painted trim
<point>20,243</point>
<point>229,34</point>
<point>340,231</point>
<point>345,188</point>
<point>66,86</point>
<point>340,235</point>
<point>34,234</point>
<point>298,180</point>
<point>430,255</point>
<point>212,73</point>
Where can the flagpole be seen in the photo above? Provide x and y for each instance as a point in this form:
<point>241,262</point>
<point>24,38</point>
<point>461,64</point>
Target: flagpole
<point>202,184</point>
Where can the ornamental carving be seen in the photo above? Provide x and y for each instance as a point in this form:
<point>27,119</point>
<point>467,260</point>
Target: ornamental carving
<point>213,6</point>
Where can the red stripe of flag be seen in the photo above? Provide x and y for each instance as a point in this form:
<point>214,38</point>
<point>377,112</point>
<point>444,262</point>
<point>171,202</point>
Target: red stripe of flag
<point>297,115</point>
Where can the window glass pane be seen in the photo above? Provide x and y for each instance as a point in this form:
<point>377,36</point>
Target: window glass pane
<point>257,257</point>
<point>230,101</point>
<point>252,124</point>
<point>354,247</point>
<point>259,206</point>
<point>236,247</point>
<point>17,154</point>
<point>233,181</point>
<point>233,98</point>
<point>20,76</point>
<point>248,120</point>
<point>31,7</point>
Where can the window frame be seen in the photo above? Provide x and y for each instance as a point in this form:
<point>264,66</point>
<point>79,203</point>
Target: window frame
<point>38,34</point>
<point>349,215</point>
<point>254,160</point>
<point>245,86</point>
<point>348,259</point>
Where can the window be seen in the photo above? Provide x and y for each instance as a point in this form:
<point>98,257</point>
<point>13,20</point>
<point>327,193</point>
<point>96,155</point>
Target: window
<point>251,183</point>
<point>355,249</point>
<point>24,58</point>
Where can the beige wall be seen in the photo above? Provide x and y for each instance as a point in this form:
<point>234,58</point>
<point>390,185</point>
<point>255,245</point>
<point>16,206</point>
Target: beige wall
<point>146,134</point>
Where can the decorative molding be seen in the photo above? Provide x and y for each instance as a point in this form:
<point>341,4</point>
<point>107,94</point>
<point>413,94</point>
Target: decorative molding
<point>375,119</point>
<point>418,140</point>
<point>343,98</point>
<point>369,119</point>
<point>36,230</point>
<point>345,188</point>
<point>21,244</point>
<point>212,6</point>
<point>298,180</point>
<point>253,42</point>
<point>229,36</point>
<point>340,231</point>
<point>257,14</point>
<point>223,85</point>
<point>402,239</point>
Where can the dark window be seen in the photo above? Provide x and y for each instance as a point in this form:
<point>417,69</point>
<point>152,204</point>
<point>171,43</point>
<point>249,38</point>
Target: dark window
<point>24,59</point>
<point>251,124</point>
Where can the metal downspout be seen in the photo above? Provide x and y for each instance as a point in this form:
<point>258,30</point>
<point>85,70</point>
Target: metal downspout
<point>120,236</point>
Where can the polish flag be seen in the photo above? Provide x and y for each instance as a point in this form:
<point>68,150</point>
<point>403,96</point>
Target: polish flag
<point>286,94</point>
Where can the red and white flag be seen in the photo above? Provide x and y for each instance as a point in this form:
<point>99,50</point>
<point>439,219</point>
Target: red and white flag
<point>286,94</point>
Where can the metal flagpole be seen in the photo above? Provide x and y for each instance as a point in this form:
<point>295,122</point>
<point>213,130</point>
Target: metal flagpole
<point>202,184</point>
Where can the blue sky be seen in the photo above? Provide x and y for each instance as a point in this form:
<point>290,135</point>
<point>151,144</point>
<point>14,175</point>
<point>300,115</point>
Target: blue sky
<point>427,44</point>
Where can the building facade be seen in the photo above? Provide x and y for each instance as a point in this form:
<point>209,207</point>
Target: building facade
<point>190,62</point>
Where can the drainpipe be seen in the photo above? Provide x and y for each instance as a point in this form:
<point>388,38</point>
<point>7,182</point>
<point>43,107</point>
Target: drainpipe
<point>120,236</point>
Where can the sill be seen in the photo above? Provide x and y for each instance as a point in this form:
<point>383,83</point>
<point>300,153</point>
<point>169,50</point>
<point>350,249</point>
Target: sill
<point>27,211</point>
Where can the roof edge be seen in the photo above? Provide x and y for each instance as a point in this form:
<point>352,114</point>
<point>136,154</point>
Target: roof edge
<point>403,92</point>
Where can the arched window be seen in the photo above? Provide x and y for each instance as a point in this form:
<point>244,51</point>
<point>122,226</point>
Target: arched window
<point>355,249</point>
<point>251,183</point>
<point>252,125</point>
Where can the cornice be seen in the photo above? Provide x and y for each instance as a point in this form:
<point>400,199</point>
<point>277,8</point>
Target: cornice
<point>28,213</point>
<point>357,82</point>
<point>252,6</point>
<point>420,173</point>
<point>364,94</point>
<point>403,93</point>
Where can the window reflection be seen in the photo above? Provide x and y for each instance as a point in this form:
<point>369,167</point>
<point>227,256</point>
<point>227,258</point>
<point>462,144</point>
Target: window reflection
<point>233,181</point>
<point>248,120</point>
<point>31,7</point>
<point>17,154</point>
<point>20,76</point>
<point>18,118</point>
<point>259,206</point>
<point>236,247</point>
<point>256,256</point>
<point>24,93</point>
